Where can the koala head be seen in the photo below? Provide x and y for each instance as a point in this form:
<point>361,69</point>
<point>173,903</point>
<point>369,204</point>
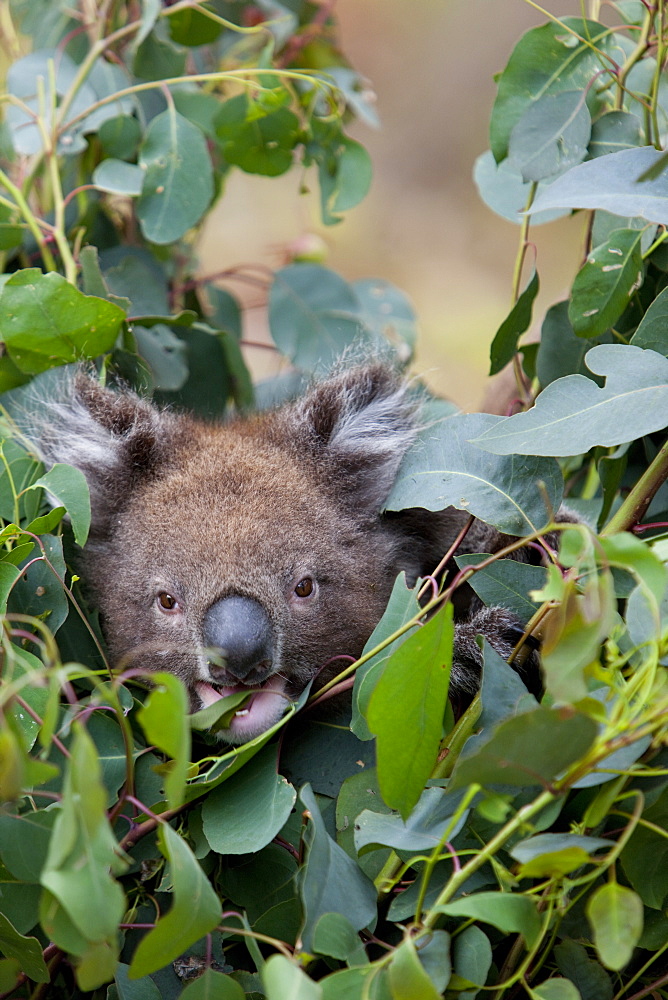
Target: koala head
<point>260,539</point>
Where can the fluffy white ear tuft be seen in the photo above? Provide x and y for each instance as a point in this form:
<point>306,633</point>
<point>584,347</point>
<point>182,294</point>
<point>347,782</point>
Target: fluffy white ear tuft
<point>359,424</point>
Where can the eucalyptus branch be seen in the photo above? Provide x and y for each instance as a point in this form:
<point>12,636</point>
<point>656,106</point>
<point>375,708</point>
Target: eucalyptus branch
<point>638,500</point>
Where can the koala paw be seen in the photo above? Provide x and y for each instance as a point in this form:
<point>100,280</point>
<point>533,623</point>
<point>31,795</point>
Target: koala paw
<point>503,630</point>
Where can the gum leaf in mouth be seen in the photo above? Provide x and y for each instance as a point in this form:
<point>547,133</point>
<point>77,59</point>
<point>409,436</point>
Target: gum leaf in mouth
<point>220,713</point>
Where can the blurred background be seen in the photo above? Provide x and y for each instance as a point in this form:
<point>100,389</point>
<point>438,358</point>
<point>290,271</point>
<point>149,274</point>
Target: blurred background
<point>423,226</point>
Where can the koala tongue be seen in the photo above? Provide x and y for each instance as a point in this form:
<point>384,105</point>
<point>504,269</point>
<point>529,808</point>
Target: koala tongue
<point>209,694</point>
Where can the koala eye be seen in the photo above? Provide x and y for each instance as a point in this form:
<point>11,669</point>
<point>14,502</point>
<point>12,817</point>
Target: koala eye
<point>305,587</point>
<point>166,601</point>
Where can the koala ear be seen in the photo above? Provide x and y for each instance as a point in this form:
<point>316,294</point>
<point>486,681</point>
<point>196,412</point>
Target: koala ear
<point>114,438</point>
<point>357,426</point>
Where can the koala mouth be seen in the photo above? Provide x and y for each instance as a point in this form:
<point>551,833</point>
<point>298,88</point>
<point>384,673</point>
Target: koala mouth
<point>265,706</point>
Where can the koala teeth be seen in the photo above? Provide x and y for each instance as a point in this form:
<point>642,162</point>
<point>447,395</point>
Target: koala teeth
<point>242,711</point>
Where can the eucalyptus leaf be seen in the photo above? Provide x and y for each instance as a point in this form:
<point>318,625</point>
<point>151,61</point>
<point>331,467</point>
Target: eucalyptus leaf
<point>612,273</point>
<point>573,414</point>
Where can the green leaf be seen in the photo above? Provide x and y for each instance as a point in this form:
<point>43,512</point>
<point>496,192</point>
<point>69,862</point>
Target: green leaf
<point>257,141</point>
<point>19,662</point>
<point>334,935</point>
<point>120,136</point>
<point>178,186</point>
<point>69,487</point>
<point>345,179</point>
<point>527,750</point>
<point>516,323</point>
<point>573,414</point>
<point>313,315</point>
<point>247,811</point>
<point>556,989</point>
<point>408,977</point>
<point>83,850</point>
<point>602,289</point>
<point>551,136</point>
<point>163,717</point>
<point>119,177</point>
<point>505,582</point>
<point>560,56</point>
<point>614,131</point>
<point>422,831</point>
<point>195,911</point>
<point>24,843</point>
<point>45,321</point>
<point>560,352</point>
<point>510,913</point>
<point>652,331</point>
<point>388,313</point>
<point>9,574</point>
<point>446,468</point>
<point>211,985</point>
<point>555,854</point>
<point>137,989</point>
<point>331,882</point>
<point>27,951</point>
<point>615,915</point>
<point>612,183</point>
<point>502,189</point>
<point>282,978</point>
<point>407,708</point>
<point>39,590</point>
<point>645,857</point>
<point>591,980</point>
<point>472,956</point>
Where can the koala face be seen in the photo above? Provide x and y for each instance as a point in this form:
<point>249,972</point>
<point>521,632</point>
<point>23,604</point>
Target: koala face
<point>243,556</point>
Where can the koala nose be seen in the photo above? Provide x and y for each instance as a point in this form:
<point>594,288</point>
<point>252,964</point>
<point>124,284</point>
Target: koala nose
<point>240,628</point>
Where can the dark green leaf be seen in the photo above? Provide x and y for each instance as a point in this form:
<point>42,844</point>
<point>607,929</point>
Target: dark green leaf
<point>591,980</point>
<point>69,487</point>
<point>178,186</point>
<point>212,985</point>
<point>614,131</point>
<point>505,582</point>
<point>601,291</point>
<point>331,882</point>
<point>529,749</point>
<point>425,828</point>
<point>516,323</point>
<point>27,951</point>
<point>246,812</point>
<point>256,141</point>
<point>652,332</point>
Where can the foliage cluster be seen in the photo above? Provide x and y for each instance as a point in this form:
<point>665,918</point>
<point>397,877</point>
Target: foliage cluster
<point>521,848</point>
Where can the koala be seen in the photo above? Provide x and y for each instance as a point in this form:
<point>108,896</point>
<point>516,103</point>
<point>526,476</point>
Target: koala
<point>262,538</point>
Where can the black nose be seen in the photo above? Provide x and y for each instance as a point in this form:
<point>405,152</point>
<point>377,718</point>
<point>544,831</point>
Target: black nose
<point>241,629</point>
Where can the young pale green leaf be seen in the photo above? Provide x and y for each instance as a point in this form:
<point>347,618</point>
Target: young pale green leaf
<point>344,179</point>
<point>510,913</point>
<point>406,711</point>
<point>195,911</point>
<point>560,56</point>
<point>612,183</point>
<point>401,607</point>
<point>556,854</point>
<point>163,717</point>
<point>27,951</point>
<point>178,186</point>
<point>313,315</point>
<point>573,414</point>
<point>502,189</point>
<point>527,750</point>
<point>652,331</point>
<point>602,289</point>
<point>282,978</point>
<point>9,574</point>
<point>628,552</point>
<point>247,811</point>
<point>83,850</point>
<point>446,469</point>
<point>615,914</point>
<point>69,487</point>
<point>19,663</point>
<point>408,977</point>
<point>45,321</point>
<point>516,323</point>
<point>211,985</point>
<point>551,136</point>
<point>331,882</point>
<point>556,989</point>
